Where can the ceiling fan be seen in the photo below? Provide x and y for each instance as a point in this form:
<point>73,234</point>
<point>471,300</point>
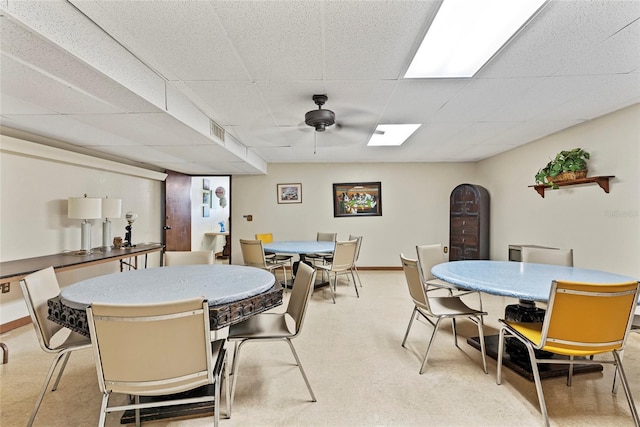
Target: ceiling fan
<point>320,119</point>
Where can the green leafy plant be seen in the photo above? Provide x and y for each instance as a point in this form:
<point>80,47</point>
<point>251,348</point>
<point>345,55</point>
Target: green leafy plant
<point>565,161</point>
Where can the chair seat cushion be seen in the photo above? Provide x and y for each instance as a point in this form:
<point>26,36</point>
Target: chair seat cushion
<point>533,332</point>
<point>263,325</point>
<point>452,306</point>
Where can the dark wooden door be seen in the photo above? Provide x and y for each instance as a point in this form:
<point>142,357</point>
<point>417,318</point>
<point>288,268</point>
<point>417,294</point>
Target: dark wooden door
<point>177,218</point>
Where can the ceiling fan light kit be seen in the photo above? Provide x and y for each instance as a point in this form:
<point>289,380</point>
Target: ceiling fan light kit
<point>320,119</point>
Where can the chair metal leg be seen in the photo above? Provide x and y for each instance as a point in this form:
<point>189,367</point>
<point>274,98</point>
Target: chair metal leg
<point>570,372</point>
<point>47,379</point>
<point>413,316</point>
<point>538,382</point>
<point>64,365</point>
<point>501,339</point>
<point>354,284</point>
<point>137,410</point>
<point>103,410</point>
<point>333,290</point>
<point>227,379</point>
<point>455,332</point>
<point>234,366</point>
<point>306,380</point>
<point>482,345</point>
<point>627,390</point>
<point>433,335</point>
<point>357,275</point>
<point>216,399</point>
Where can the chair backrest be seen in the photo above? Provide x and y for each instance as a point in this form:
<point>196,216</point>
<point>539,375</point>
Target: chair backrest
<point>428,257</point>
<point>415,282</point>
<point>187,257</point>
<point>327,237</point>
<point>253,253</point>
<point>300,295</point>
<point>548,256</point>
<point>37,289</point>
<point>151,349</point>
<point>359,239</point>
<point>344,255</point>
<point>591,317</point>
<point>265,237</point>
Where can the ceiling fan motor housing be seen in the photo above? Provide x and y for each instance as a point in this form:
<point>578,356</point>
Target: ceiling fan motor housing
<point>320,118</point>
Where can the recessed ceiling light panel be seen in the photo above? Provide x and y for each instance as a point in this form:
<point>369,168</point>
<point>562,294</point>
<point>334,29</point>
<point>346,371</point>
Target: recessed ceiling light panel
<point>465,34</point>
<point>386,135</point>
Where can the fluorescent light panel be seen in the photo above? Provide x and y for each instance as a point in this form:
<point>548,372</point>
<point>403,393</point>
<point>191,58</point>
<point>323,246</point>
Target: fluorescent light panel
<point>465,34</point>
<point>392,134</point>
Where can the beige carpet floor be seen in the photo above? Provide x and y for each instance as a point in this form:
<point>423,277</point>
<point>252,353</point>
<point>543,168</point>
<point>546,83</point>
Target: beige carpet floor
<point>360,374</point>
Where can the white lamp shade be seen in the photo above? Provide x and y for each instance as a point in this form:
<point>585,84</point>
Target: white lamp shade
<point>85,207</point>
<point>111,208</point>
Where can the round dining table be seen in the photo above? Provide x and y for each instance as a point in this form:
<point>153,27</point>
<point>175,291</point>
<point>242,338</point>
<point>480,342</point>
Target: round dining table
<point>525,281</point>
<point>299,247</point>
<point>234,292</point>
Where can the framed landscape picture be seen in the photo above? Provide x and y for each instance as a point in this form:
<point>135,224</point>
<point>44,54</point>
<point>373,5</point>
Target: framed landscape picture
<point>289,193</point>
<point>357,199</point>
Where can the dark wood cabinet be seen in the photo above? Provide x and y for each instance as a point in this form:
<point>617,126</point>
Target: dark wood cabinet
<point>468,223</point>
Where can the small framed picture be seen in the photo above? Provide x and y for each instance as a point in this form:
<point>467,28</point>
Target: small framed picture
<point>289,193</point>
<point>206,185</point>
<point>206,198</point>
<point>206,211</point>
<point>354,199</point>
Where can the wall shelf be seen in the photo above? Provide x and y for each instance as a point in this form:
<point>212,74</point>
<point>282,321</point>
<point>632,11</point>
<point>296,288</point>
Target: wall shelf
<point>602,181</point>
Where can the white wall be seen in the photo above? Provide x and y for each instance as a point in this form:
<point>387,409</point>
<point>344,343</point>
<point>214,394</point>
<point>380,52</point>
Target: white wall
<point>415,206</point>
<point>33,210</point>
<point>603,229</point>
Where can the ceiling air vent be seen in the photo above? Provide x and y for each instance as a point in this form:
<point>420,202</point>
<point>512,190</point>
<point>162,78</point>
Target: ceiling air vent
<point>217,130</point>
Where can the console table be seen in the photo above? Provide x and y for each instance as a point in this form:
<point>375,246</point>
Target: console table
<point>13,271</point>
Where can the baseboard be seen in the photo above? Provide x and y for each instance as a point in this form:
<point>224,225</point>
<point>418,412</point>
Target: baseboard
<point>6,327</point>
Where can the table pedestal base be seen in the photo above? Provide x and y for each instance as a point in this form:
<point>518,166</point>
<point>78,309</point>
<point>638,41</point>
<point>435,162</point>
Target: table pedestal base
<point>187,410</point>
<point>522,366</point>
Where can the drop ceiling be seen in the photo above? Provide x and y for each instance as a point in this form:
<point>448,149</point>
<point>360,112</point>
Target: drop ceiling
<point>154,83</point>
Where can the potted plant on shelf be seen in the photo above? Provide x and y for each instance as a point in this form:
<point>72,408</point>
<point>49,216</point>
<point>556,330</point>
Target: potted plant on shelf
<point>566,166</point>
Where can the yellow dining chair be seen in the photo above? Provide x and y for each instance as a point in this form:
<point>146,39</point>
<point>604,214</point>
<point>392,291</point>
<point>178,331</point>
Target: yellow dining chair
<point>156,350</point>
<point>582,319</point>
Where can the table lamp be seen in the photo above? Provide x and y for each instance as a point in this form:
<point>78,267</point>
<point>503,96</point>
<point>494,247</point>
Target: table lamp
<point>131,218</point>
<point>85,208</point>
<point>111,208</point>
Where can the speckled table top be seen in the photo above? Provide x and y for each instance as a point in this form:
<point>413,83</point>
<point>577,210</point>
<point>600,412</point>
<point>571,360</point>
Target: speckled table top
<point>219,284</point>
<point>526,281</point>
<point>299,247</point>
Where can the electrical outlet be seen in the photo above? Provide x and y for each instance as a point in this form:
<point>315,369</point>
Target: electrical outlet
<point>6,287</point>
<point>446,250</point>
